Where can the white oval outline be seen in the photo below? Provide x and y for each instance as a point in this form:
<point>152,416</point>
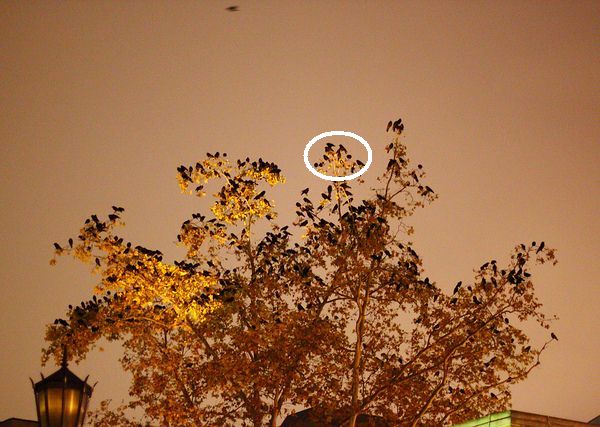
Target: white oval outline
<point>338,133</point>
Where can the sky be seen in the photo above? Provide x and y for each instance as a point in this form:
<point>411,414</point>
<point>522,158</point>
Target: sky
<point>101,101</point>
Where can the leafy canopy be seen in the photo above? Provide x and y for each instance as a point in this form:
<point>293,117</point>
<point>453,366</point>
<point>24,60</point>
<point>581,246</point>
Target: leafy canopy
<point>336,315</point>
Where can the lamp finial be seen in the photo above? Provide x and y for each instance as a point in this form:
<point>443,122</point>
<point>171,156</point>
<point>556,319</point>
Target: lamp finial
<point>64,358</point>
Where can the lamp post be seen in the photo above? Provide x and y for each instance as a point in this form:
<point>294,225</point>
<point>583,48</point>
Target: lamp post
<point>62,398</point>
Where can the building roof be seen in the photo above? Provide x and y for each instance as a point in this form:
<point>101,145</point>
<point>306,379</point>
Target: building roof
<point>595,421</point>
<point>18,422</point>
<point>510,418</point>
<point>308,418</point>
<point>513,418</point>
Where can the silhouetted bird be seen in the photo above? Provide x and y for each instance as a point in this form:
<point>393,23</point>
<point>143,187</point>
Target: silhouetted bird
<point>540,248</point>
<point>388,126</point>
<point>553,336</point>
<point>233,9</point>
<point>457,287</point>
<point>398,126</point>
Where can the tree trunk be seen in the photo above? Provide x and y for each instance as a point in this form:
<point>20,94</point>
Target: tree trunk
<point>274,413</point>
<point>360,324</point>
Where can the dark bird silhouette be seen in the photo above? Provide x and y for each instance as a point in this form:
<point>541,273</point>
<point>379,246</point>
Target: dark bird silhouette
<point>57,247</point>
<point>457,287</point>
<point>233,9</point>
<point>398,126</point>
<point>553,336</point>
<point>305,191</point>
<point>71,242</point>
<point>475,300</point>
<point>259,195</point>
<point>489,362</point>
<point>540,248</point>
<point>389,125</point>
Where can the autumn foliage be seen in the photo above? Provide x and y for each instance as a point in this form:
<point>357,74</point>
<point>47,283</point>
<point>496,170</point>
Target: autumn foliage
<point>332,312</point>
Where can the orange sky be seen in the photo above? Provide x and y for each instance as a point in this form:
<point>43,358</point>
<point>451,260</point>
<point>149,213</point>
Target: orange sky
<point>101,101</point>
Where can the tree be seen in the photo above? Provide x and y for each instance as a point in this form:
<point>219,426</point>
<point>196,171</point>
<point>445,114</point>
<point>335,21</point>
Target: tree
<point>341,319</point>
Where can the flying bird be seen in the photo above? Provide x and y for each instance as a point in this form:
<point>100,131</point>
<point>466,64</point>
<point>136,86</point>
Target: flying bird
<point>233,9</point>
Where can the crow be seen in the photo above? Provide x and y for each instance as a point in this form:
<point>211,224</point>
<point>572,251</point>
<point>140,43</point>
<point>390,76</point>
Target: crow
<point>389,125</point>
<point>553,336</point>
<point>540,248</point>
<point>457,287</point>
<point>233,9</point>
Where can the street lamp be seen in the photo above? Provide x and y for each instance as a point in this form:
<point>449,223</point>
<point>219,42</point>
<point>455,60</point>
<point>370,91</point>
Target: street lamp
<point>62,398</point>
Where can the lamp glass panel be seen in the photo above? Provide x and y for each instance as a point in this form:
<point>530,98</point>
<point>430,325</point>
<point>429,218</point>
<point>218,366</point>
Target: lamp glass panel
<point>55,407</point>
<point>71,406</point>
<point>41,402</point>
